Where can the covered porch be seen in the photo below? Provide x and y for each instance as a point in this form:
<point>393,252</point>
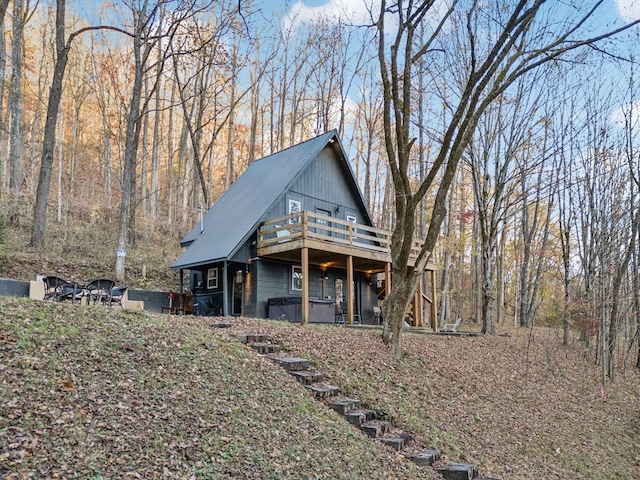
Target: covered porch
<point>317,240</point>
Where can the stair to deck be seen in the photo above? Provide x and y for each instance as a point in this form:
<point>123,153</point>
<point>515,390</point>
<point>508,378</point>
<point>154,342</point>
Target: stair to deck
<point>351,410</point>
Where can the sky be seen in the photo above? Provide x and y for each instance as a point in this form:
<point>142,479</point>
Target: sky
<point>629,10</point>
<point>358,11</point>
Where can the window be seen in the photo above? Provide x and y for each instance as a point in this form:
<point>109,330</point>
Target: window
<point>296,278</point>
<point>212,278</point>
<point>354,220</point>
<point>295,206</point>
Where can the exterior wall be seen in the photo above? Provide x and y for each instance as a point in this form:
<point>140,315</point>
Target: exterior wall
<point>274,279</point>
<point>209,300</point>
<point>322,185</point>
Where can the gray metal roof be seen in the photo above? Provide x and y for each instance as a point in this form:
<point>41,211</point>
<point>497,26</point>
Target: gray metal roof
<point>240,210</point>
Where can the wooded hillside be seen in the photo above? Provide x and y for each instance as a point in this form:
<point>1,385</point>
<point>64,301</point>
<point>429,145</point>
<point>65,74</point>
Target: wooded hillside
<point>120,119</point>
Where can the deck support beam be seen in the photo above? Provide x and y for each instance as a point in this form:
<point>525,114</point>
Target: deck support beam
<point>305,284</point>
<point>349,289</point>
<point>434,304</point>
<point>225,290</point>
<point>387,279</point>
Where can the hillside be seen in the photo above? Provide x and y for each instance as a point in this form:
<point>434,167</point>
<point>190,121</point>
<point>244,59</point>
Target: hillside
<point>95,393</point>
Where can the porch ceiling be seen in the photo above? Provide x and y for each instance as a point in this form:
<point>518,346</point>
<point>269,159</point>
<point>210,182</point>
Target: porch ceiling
<point>329,256</point>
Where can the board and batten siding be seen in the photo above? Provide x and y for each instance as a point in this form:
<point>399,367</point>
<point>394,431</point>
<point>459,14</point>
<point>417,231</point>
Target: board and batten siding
<point>322,185</point>
<point>274,279</point>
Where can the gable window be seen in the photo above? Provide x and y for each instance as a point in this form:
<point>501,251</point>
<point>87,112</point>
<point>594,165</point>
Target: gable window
<point>295,206</point>
<point>212,278</point>
<point>296,278</point>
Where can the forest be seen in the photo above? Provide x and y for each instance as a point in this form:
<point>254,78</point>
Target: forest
<point>127,117</point>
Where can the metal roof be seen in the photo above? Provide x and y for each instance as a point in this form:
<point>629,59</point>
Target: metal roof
<point>240,210</point>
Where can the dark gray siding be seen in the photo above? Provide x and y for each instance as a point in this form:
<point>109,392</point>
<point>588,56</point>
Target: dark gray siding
<point>323,184</point>
<point>274,279</point>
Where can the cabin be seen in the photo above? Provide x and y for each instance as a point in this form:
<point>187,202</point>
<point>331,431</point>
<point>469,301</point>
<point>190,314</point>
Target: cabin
<point>293,239</point>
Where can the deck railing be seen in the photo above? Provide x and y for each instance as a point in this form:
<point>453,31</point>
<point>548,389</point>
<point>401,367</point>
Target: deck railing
<point>314,226</point>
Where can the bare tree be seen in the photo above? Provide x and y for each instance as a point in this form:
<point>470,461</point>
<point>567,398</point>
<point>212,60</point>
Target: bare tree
<point>522,39</point>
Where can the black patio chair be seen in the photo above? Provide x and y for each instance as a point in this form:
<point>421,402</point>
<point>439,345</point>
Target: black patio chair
<point>53,287</point>
<point>99,291</point>
<point>117,296</point>
<point>58,289</point>
<point>342,314</point>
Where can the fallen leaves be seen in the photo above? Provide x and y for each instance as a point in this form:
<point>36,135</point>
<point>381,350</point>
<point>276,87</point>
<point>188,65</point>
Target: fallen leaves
<point>67,386</point>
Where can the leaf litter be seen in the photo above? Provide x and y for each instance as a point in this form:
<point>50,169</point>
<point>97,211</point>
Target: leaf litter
<point>89,392</point>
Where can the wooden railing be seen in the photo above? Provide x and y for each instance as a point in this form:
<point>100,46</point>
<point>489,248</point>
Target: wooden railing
<point>314,226</point>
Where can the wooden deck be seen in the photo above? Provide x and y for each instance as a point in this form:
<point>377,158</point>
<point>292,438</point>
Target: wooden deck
<point>329,241</point>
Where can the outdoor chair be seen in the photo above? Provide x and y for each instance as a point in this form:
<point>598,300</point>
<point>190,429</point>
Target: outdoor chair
<point>99,291</point>
<point>59,289</point>
<point>117,295</point>
<point>175,303</point>
<point>70,291</point>
<point>377,315</point>
<point>188,304</point>
<point>342,315</point>
<point>452,327</point>
<point>53,287</point>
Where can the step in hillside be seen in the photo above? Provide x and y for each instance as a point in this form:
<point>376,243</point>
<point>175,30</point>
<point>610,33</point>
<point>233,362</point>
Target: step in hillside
<point>344,405</point>
<point>398,443</point>
<point>263,347</point>
<point>376,428</point>
<point>425,458</point>
<point>306,377</point>
<point>360,417</point>
<point>457,471</point>
<point>248,338</point>
<point>292,364</point>
<point>323,390</point>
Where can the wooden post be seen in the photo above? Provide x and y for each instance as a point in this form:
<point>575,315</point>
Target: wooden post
<point>420,305</point>
<point>225,290</point>
<point>305,224</point>
<point>416,315</point>
<point>387,279</point>
<point>349,289</point>
<point>434,303</point>
<point>305,285</point>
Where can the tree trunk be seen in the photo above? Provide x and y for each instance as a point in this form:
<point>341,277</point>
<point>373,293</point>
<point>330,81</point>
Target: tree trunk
<point>48,143</point>
<point>15,108</point>
<point>130,150</point>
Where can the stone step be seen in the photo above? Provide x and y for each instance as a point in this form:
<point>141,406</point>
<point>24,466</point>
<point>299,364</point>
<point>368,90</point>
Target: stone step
<point>398,443</point>
<point>323,390</point>
<point>292,364</point>
<point>264,348</point>
<point>307,377</point>
<point>375,429</point>
<point>251,337</point>
<point>458,471</point>
<point>344,405</point>
<point>360,417</point>
<point>425,458</point>
<point>220,325</point>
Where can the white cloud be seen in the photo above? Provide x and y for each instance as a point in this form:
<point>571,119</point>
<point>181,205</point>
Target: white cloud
<point>629,9</point>
<point>629,113</point>
<point>355,12</point>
